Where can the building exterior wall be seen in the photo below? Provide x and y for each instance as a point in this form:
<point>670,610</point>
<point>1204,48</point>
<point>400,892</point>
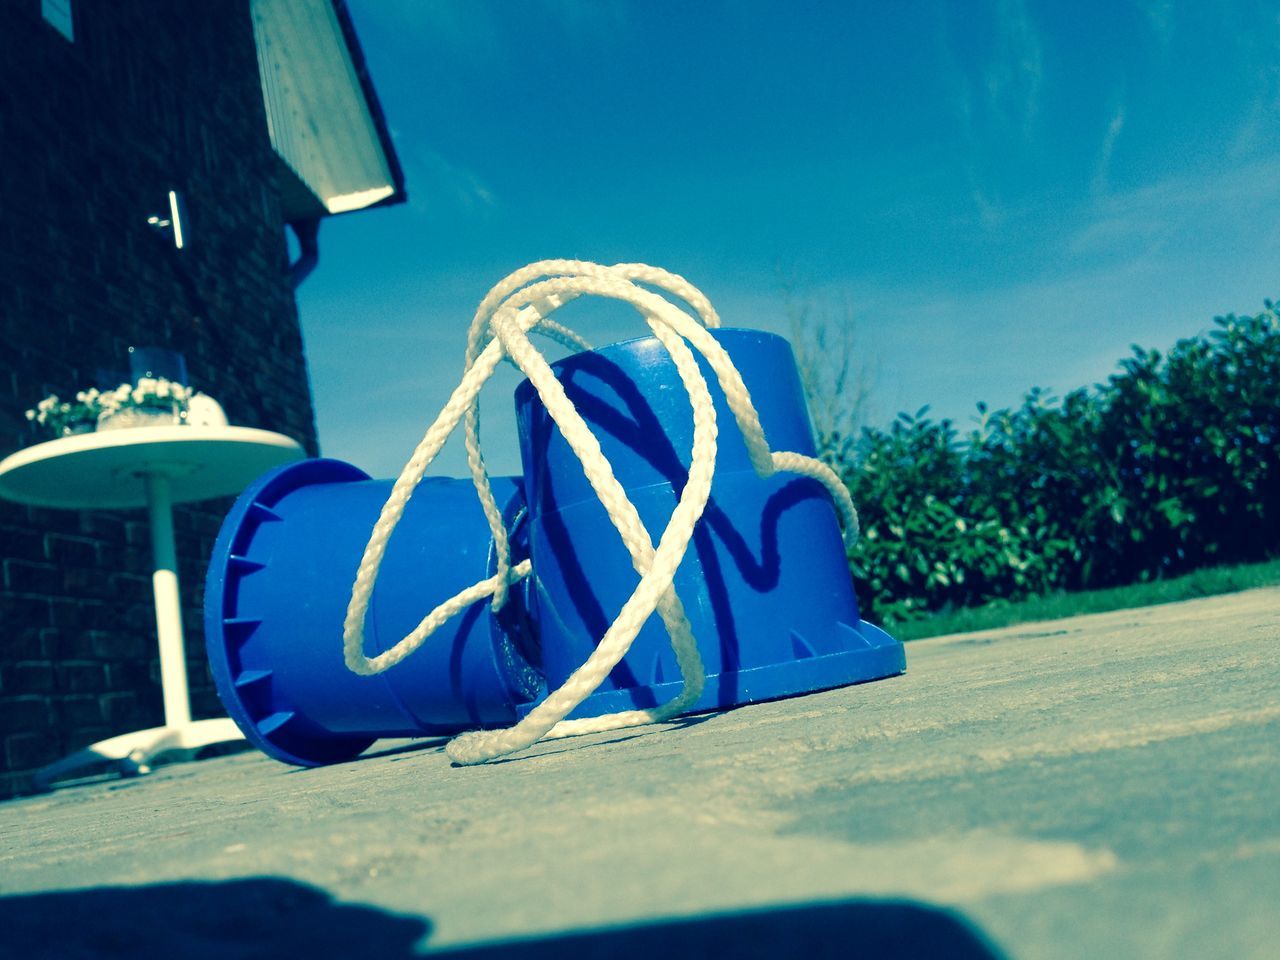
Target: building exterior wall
<point>150,96</point>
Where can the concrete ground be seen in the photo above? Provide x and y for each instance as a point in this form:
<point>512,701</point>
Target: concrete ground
<point>1099,787</point>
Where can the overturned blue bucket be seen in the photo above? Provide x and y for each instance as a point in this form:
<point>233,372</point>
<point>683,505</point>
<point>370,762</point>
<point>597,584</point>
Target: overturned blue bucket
<point>276,595</point>
<point>765,582</point>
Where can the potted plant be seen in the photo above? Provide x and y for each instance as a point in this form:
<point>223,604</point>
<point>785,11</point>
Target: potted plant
<point>152,401</point>
<point>62,418</point>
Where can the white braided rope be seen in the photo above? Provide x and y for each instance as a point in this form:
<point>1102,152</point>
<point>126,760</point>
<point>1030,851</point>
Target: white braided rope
<point>517,306</point>
<point>479,334</point>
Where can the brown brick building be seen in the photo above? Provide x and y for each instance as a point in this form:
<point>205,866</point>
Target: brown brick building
<point>104,109</point>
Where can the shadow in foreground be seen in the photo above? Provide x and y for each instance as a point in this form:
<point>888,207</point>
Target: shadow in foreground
<point>863,929</point>
<point>259,917</point>
<point>268,917</point>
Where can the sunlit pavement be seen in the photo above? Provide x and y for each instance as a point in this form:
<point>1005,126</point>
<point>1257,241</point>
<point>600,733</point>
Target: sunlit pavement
<point>1107,786</point>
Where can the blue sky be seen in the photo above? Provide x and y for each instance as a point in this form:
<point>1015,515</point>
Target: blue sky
<point>1007,193</point>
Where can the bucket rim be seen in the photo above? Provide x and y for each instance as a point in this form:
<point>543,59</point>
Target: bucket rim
<point>525,392</point>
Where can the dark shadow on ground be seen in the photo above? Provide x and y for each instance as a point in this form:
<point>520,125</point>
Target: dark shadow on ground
<point>627,733</point>
<point>271,917</point>
<point>416,746</point>
<point>258,917</point>
<point>849,930</point>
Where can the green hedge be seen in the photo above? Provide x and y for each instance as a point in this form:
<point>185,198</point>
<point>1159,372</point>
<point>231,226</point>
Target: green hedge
<point>1172,464</point>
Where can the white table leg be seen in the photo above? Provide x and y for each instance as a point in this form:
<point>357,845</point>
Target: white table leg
<point>132,753</point>
<point>164,583</point>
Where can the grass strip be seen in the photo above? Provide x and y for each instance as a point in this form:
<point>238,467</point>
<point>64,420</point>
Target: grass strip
<point>1207,582</point>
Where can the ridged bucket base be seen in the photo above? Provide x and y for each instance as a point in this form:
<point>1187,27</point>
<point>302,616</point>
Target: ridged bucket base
<point>275,603</point>
<point>880,656</point>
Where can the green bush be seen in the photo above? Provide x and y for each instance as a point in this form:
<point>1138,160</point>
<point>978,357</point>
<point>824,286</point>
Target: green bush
<point>1172,464</point>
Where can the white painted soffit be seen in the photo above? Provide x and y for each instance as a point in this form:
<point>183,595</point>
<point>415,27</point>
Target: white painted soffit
<point>317,114</point>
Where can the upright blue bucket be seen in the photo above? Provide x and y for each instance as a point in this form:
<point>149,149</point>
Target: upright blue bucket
<point>765,583</point>
<point>276,595</point>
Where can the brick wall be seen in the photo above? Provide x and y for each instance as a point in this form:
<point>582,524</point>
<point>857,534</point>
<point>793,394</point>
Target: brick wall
<point>152,95</point>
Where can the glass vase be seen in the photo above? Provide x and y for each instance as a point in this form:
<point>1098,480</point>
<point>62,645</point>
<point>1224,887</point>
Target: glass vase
<point>77,427</point>
<point>148,416</point>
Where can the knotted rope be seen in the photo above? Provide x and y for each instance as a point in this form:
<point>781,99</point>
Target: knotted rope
<point>519,305</point>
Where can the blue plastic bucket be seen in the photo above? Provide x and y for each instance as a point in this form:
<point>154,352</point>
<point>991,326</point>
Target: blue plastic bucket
<point>276,595</point>
<point>765,582</point>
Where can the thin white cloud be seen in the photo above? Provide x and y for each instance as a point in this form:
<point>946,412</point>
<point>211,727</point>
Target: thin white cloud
<point>1014,76</point>
<point>1256,48</point>
<point>434,182</point>
<point>1138,221</point>
<point>585,20</point>
<point>1102,169</point>
<point>473,29</point>
<point>492,31</point>
<point>1249,134</point>
<point>1159,14</point>
<point>997,103</point>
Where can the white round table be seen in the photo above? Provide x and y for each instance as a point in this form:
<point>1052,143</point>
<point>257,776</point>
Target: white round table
<point>156,467</point>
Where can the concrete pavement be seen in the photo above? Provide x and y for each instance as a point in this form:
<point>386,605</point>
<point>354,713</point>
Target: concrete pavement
<point>1103,786</point>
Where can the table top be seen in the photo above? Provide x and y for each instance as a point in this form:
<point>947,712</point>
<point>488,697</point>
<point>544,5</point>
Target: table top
<point>107,469</point>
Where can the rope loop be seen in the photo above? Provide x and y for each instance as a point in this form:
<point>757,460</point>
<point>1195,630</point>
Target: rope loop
<point>520,305</point>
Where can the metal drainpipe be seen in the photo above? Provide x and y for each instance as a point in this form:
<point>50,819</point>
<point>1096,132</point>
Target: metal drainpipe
<point>308,234</point>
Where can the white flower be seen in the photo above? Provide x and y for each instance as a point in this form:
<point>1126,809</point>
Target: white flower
<point>55,414</point>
